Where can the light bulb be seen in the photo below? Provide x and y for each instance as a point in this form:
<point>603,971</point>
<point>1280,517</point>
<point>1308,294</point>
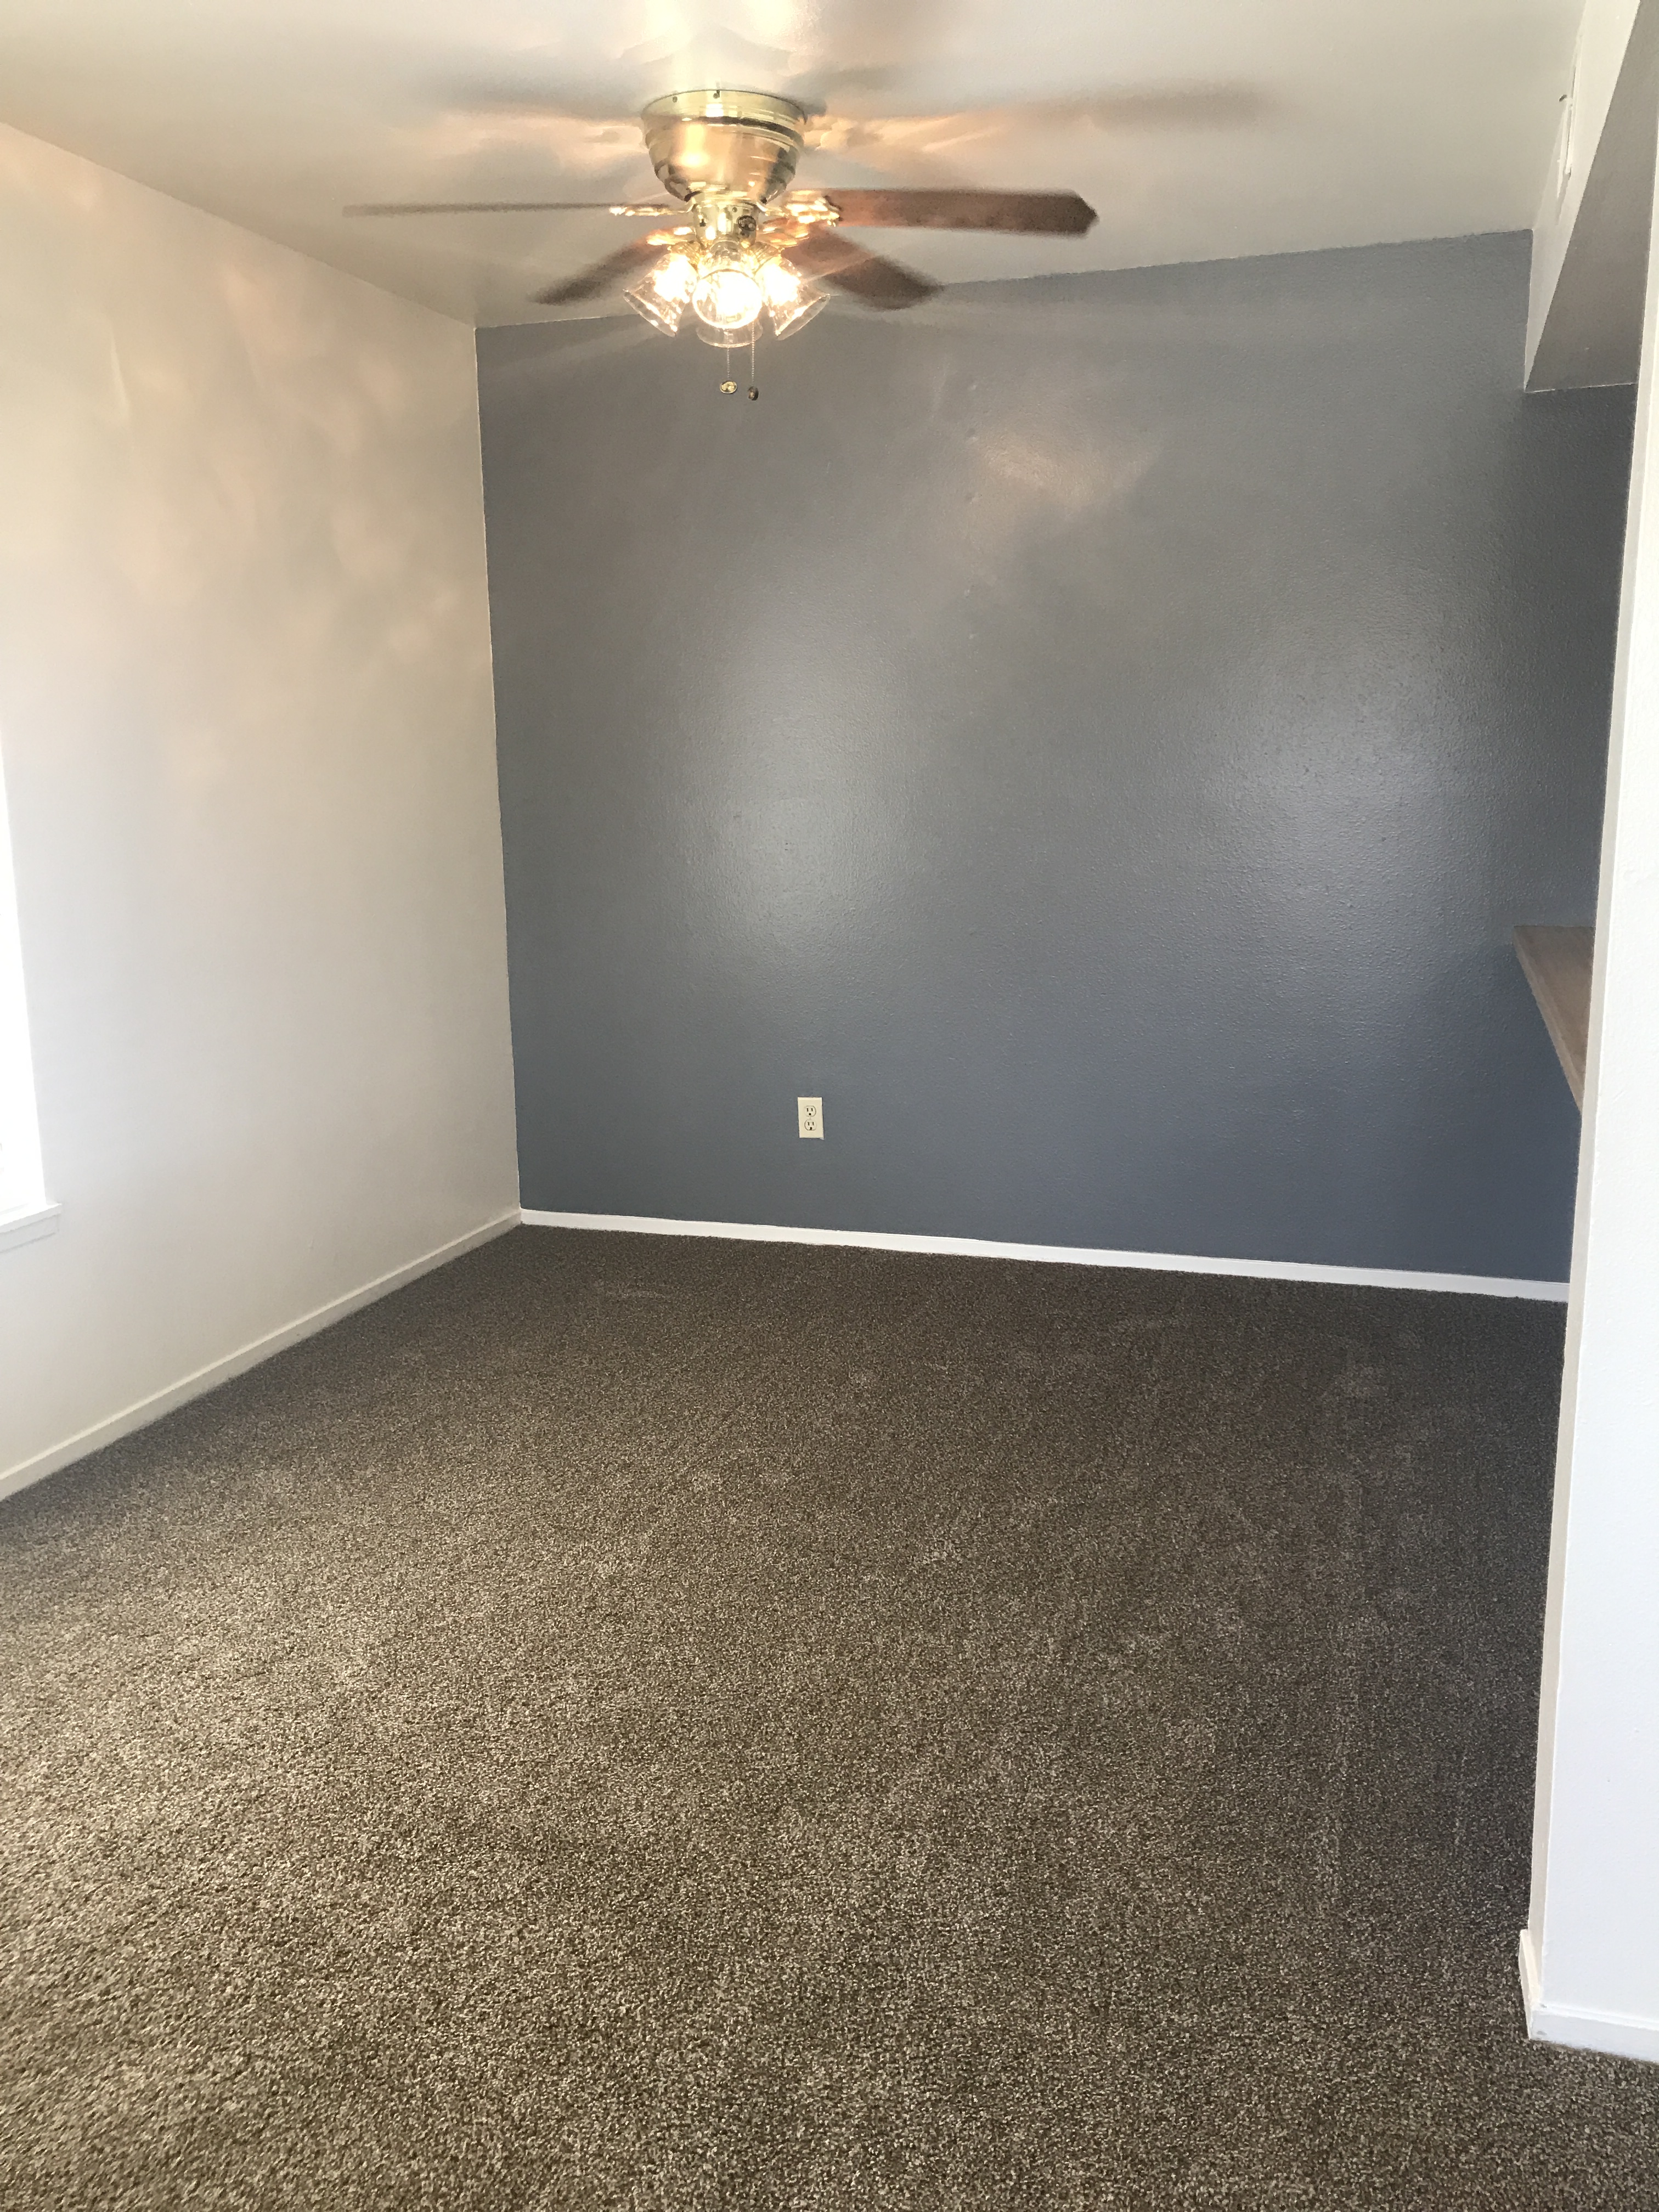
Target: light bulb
<point>780,285</point>
<point>728,298</point>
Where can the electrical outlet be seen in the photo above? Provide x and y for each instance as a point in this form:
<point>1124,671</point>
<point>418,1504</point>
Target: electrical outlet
<point>810,1112</point>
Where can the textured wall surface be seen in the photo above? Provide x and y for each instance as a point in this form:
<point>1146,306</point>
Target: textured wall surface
<point>1097,733</point>
<point>245,703</point>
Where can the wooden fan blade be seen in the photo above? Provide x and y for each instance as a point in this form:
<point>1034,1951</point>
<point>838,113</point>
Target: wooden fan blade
<point>511,207</point>
<point>1054,215</point>
<point>630,260</point>
<point>869,276</point>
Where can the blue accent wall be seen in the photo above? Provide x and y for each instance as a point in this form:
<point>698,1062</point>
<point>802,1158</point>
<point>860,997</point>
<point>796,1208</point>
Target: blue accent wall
<point>1096,732</point>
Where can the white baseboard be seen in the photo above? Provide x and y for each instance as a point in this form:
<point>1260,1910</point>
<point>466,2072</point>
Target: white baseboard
<point>146,1410</point>
<point>1077,1255</point>
<point>1621,2035</point>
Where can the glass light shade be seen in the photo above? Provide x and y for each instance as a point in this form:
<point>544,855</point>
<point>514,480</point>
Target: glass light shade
<point>790,315</point>
<point>791,298</point>
<point>728,297</point>
<point>661,294</point>
<point>674,277</point>
<point>646,300</point>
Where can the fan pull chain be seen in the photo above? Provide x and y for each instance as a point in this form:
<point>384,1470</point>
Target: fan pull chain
<point>729,384</point>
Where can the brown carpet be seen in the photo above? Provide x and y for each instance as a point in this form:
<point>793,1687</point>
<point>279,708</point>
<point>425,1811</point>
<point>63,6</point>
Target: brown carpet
<point>634,1722</point>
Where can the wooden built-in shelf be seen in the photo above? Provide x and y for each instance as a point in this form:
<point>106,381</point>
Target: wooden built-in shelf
<point>1557,964</point>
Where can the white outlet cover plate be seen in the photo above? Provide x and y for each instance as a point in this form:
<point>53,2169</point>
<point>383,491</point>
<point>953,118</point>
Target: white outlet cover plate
<point>809,1113</point>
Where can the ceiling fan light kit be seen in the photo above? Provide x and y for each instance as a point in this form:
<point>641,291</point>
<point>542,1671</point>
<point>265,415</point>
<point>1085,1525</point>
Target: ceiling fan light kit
<point>750,247</point>
<point>730,156</point>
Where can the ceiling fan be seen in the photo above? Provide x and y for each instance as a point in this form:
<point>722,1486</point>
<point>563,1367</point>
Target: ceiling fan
<point>749,246</point>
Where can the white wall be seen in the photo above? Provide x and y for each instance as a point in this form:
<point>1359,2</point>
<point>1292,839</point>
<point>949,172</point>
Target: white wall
<point>246,722</point>
<point>1591,237</point>
<point>1589,1958</point>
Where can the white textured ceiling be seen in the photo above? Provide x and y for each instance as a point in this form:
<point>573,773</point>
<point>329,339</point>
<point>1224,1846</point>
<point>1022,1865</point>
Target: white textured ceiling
<point>1197,128</point>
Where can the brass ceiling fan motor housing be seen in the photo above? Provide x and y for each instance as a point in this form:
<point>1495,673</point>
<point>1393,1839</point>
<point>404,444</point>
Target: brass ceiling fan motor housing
<point>735,145</point>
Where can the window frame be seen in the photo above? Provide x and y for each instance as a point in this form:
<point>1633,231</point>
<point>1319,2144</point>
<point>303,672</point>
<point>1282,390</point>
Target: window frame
<point>26,1212</point>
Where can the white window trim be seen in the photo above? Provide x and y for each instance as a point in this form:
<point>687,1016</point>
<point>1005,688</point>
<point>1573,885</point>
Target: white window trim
<point>26,1224</point>
<point>26,1213</point>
